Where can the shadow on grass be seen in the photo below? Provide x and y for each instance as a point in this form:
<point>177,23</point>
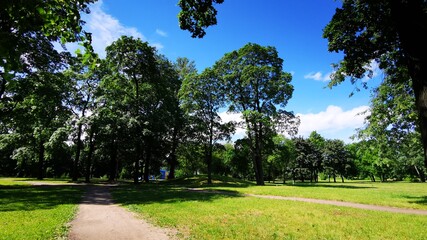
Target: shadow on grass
<point>327,185</point>
<point>166,193</point>
<point>422,200</point>
<point>28,198</point>
<point>202,181</point>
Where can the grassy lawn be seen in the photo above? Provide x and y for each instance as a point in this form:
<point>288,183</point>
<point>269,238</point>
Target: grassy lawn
<point>230,216</point>
<point>394,194</point>
<point>36,212</point>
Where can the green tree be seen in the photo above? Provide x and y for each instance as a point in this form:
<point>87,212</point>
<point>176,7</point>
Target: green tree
<point>336,158</point>
<point>282,159</point>
<point>184,67</point>
<point>317,139</point>
<point>82,101</point>
<point>308,159</point>
<point>191,159</point>
<point>363,160</point>
<point>240,164</point>
<point>41,113</point>
<point>392,122</point>
<point>391,33</point>
<point>27,25</point>
<point>202,97</point>
<point>196,15</point>
<point>256,86</point>
<point>133,73</point>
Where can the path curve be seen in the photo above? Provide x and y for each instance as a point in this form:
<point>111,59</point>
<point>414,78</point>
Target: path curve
<point>327,202</point>
<point>99,218</point>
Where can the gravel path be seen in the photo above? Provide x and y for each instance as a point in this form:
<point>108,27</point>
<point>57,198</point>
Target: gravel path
<point>99,218</point>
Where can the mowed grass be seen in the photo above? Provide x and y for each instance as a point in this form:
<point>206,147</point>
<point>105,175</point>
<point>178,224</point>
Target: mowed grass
<point>36,212</point>
<point>393,194</point>
<point>198,215</point>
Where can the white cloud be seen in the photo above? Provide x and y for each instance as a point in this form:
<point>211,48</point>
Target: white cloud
<point>375,68</point>
<point>318,76</point>
<point>158,46</point>
<point>237,117</point>
<point>161,33</point>
<point>105,30</point>
<point>334,122</point>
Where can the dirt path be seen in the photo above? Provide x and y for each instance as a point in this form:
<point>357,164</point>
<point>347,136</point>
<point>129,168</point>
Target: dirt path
<point>99,218</point>
<point>327,202</point>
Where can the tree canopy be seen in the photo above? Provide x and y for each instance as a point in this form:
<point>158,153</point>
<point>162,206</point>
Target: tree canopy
<point>391,33</point>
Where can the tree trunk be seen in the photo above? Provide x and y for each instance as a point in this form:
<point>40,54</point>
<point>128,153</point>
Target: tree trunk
<point>293,176</point>
<point>372,177</point>
<point>40,175</point>
<point>342,178</point>
<point>172,166</point>
<point>78,150</point>
<point>113,161</point>
<point>208,159</point>
<point>136,163</point>
<point>301,175</point>
<point>208,152</point>
<point>173,160</point>
<point>411,23</point>
<point>89,157</point>
<point>147,163</point>
<point>421,174</point>
<point>258,161</point>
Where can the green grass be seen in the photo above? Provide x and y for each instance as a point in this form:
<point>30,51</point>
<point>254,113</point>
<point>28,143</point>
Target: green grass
<point>231,216</point>
<point>36,212</point>
<point>394,194</point>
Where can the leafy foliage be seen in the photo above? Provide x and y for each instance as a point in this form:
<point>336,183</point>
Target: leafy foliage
<point>196,15</point>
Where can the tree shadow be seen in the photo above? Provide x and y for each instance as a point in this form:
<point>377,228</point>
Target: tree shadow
<point>165,193</point>
<point>422,200</point>
<point>327,185</point>
<point>29,198</point>
<point>202,181</point>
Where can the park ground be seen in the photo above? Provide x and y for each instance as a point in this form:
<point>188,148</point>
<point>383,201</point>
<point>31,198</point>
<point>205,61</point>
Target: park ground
<point>228,209</point>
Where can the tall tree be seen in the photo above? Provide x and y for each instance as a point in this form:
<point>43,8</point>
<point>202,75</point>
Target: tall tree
<point>82,102</point>
<point>391,33</point>
<point>184,67</point>
<point>202,98</point>
<point>392,122</point>
<point>256,86</point>
<point>42,112</point>
<point>134,73</point>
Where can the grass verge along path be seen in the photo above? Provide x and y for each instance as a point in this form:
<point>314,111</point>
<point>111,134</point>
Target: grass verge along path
<point>36,212</point>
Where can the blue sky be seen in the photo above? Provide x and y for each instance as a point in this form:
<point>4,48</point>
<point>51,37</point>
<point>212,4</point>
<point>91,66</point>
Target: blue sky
<point>294,27</point>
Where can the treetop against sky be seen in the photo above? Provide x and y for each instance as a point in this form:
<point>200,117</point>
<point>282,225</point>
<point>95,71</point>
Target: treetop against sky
<point>293,28</point>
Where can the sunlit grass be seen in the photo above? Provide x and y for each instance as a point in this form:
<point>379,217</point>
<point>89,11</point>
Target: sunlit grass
<point>36,212</point>
<point>395,194</point>
<point>199,215</point>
